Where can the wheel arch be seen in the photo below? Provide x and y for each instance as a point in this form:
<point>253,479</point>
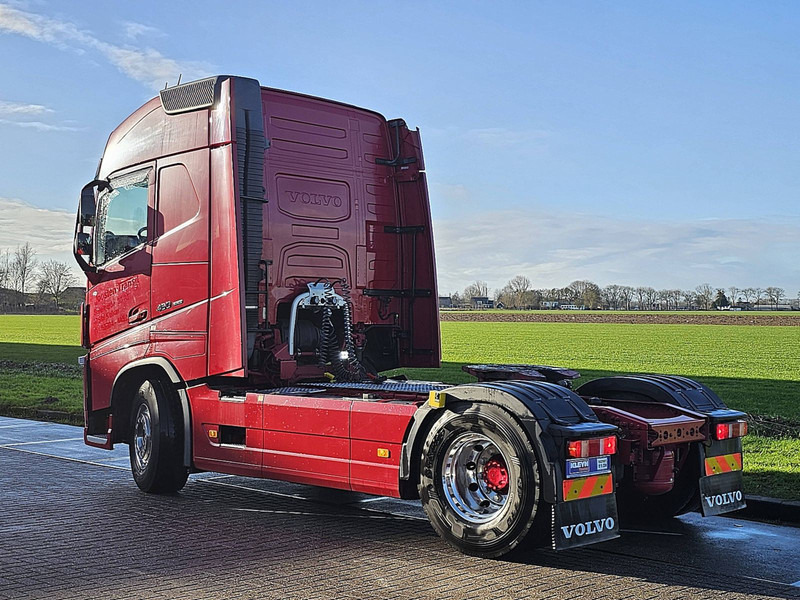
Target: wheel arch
<point>671,389</point>
<point>546,411</point>
<point>134,374</point>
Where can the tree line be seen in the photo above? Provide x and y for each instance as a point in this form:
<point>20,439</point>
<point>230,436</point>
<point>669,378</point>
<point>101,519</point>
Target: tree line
<point>24,280</point>
<point>520,293</point>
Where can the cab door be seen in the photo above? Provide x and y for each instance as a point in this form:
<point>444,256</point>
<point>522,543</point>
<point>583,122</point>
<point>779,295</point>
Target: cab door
<point>120,300</point>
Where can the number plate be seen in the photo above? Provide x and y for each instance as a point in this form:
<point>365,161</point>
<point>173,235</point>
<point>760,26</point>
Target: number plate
<point>581,467</point>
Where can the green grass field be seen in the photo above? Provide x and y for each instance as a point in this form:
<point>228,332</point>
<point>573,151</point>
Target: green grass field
<point>704,313</point>
<point>754,369</point>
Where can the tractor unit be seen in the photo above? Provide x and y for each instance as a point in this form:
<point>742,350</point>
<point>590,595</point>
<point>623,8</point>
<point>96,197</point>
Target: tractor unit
<point>256,258</point>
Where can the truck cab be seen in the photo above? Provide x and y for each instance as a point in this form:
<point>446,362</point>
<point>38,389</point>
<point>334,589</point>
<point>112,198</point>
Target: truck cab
<point>217,204</point>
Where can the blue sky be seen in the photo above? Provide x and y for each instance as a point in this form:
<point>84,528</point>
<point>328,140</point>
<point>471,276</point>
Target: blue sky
<point>631,143</point>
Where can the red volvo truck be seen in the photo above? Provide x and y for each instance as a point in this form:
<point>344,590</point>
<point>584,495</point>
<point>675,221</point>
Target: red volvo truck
<point>256,258</point>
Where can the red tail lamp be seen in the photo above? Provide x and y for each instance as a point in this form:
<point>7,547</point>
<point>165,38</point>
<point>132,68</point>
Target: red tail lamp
<point>726,431</point>
<point>593,447</point>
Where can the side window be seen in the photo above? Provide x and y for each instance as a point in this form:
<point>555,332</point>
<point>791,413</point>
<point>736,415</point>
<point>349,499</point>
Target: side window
<point>122,217</point>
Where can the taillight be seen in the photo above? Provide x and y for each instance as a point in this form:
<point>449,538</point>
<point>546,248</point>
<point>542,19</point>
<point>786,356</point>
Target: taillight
<point>726,431</point>
<point>593,447</point>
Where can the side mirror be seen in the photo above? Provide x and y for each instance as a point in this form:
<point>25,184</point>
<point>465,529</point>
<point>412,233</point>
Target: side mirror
<point>87,208</point>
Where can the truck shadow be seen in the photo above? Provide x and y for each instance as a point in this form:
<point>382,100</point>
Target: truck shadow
<point>40,353</point>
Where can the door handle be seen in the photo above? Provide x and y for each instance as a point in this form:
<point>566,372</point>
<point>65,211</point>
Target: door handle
<point>135,315</point>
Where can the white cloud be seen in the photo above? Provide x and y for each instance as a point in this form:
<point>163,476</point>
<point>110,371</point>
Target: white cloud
<point>49,231</point>
<point>145,65</point>
<point>149,66</point>
<point>16,108</point>
<point>135,30</point>
<point>554,248</point>
<point>38,125</point>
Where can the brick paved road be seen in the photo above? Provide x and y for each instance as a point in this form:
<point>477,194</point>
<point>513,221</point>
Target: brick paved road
<point>78,530</point>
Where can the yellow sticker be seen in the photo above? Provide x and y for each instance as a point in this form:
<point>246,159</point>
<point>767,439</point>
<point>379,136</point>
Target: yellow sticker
<point>436,399</point>
<point>383,453</point>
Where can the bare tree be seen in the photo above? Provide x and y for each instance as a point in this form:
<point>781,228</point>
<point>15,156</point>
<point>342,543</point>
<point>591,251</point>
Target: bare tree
<point>5,269</point>
<point>516,290</point>
<point>641,296</point>
<point>56,277</point>
<point>775,294</point>
<point>650,297</point>
<point>758,294</point>
<point>733,293</point>
<point>664,296</point>
<point>676,296</point>
<point>705,294</point>
<point>586,292</point>
<point>749,294</point>
<point>626,295</point>
<point>23,268</point>
<point>689,298</point>
<point>611,296</point>
<point>478,289</point>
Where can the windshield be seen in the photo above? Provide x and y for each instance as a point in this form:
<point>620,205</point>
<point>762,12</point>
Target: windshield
<point>122,217</point>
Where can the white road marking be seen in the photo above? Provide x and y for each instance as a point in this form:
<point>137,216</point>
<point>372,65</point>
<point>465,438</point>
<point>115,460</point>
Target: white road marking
<point>296,497</point>
<point>252,489</point>
<point>77,460</point>
<point>314,514</point>
<point>80,439</point>
<point>374,499</point>
<point>653,532</point>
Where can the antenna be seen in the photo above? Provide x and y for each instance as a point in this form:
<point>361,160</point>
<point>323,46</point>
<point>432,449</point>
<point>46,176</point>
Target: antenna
<point>179,78</point>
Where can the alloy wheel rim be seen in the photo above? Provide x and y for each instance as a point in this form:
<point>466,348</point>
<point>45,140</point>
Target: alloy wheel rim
<point>142,438</point>
<point>475,478</point>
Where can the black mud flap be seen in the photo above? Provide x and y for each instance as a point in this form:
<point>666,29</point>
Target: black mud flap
<point>583,522</point>
<point>721,493</point>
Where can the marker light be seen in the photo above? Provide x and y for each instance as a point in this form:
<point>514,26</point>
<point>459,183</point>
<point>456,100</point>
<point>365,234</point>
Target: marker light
<point>593,447</point>
<point>726,431</point>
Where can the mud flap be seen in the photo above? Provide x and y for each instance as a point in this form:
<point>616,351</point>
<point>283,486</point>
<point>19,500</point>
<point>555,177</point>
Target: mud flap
<point>583,522</point>
<point>721,493</point>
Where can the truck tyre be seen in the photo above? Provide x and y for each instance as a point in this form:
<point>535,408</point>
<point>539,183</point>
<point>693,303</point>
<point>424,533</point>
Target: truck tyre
<point>156,439</point>
<point>479,479</point>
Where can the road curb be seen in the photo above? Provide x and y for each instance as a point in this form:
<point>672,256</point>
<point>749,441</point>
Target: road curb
<point>770,509</point>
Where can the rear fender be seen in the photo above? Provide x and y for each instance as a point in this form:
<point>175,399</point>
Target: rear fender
<point>549,413</point>
<point>720,483</point>
<point>666,389</point>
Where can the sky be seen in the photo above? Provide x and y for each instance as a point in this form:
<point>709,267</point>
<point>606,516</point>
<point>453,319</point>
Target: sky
<point>623,142</point>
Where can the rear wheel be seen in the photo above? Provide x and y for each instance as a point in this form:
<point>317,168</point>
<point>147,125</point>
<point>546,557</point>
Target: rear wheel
<point>156,439</point>
<point>479,480</point>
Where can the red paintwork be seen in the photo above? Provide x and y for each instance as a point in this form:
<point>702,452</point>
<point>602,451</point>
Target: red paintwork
<point>649,438</point>
<point>328,208</point>
<point>332,442</point>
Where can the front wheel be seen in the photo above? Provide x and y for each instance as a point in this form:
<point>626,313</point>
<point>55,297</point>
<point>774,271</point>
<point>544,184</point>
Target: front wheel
<point>479,480</point>
<point>156,439</point>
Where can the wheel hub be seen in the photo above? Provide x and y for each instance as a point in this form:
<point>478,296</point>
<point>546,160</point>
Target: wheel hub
<point>496,475</point>
<point>475,478</point>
